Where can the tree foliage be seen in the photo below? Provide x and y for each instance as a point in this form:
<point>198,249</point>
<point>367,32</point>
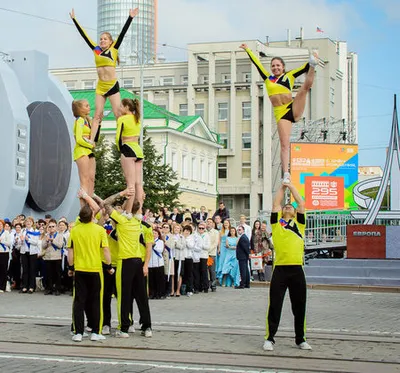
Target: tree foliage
<point>160,183</point>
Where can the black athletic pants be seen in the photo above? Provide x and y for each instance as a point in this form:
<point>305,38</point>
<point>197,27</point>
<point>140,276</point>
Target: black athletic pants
<point>28,270</point>
<point>16,268</point>
<point>156,282</point>
<point>196,277</point>
<point>109,290</point>
<point>88,297</point>
<point>131,285</point>
<point>53,274</point>
<point>292,278</point>
<point>3,269</point>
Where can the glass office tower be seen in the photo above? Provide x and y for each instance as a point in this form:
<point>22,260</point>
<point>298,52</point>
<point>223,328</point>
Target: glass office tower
<point>140,42</point>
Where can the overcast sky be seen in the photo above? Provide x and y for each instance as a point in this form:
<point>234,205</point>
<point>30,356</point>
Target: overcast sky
<point>371,28</point>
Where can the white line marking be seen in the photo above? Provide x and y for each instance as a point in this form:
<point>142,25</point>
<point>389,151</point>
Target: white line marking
<point>114,363</point>
<point>221,326</point>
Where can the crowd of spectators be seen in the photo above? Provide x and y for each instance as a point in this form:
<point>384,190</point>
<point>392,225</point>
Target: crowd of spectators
<point>193,252</point>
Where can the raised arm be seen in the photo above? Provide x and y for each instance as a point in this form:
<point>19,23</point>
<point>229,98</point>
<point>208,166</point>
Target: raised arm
<point>297,197</point>
<point>83,33</point>
<point>277,202</point>
<point>261,69</point>
<point>132,14</point>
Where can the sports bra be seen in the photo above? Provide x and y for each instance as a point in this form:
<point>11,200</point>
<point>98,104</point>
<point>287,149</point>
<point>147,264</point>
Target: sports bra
<point>108,57</point>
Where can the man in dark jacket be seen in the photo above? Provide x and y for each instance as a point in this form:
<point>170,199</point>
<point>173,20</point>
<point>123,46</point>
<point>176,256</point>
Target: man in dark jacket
<point>223,212</point>
<point>242,255</point>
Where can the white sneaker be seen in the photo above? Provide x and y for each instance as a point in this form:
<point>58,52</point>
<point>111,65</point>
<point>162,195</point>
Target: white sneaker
<point>286,178</point>
<point>189,294</point>
<point>304,346</point>
<point>147,333</point>
<point>1,291</point>
<point>106,330</point>
<point>8,287</point>
<point>88,329</point>
<point>77,338</point>
<point>97,337</point>
<point>268,345</point>
<point>85,335</point>
<point>131,329</point>
<point>120,334</point>
<point>313,61</point>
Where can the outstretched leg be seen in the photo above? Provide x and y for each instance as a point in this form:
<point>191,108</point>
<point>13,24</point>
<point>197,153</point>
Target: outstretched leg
<point>98,116</point>
<point>139,192</point>
<point>299,102</point>
<point>115,101</point>
<point>284,131</point>
<point>129,169</point>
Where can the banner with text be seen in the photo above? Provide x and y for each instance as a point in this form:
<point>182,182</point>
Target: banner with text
<point>325,174</point>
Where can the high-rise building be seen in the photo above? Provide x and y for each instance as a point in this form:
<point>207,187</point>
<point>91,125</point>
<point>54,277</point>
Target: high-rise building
<point>140,43</point>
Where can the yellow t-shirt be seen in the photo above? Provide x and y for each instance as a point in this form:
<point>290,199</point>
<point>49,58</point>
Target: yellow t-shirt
<point>147,237</point>
<point>128,232</point>
<point>113,246</point>
<point>88,240</point>
<point>288,238</point>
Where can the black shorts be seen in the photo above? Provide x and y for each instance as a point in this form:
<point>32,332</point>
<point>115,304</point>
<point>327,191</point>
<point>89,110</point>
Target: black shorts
<point>91,155</point>
<point>113,90</point>
<point>289,115</point>
<point>128,152</point>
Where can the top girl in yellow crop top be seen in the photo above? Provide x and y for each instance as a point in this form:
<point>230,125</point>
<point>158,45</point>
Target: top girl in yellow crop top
<point>281,84</point>
<point>127,126</point>
<point>109,56</point>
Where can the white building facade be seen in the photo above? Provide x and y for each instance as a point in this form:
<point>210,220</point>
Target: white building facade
<point>220,84</point>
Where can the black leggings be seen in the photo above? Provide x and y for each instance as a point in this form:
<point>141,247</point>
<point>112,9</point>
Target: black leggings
<point>292,278</point>
<point>29,263</point>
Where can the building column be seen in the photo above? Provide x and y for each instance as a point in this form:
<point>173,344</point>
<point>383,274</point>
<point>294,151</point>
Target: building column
<point>171,101</point>
<point>192,80</point>
<point>211,92</point>
<point>232,106</point>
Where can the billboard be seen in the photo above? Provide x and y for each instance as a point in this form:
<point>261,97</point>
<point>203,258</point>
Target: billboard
<point>325,174</point>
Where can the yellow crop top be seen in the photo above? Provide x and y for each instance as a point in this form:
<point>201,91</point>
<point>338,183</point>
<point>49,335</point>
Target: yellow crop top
<point>277,85</point>
<point>126,127</point>
<point>102,57</point>
<point>81,131</point>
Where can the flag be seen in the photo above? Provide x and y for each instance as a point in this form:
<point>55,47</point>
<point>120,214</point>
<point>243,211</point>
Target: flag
<point>319,29</point>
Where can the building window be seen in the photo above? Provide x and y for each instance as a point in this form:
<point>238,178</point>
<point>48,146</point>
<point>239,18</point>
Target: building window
<point>162,106</point>
<point>88,84</point>
<point>70,84</point>
<point>223,140</point>
<point>183,110</point>
<point>203,171</point>
<point>127,83</point>
<point>194,169</point>
<point>246,140</point>
<point>246,201</point>
<point>222,170</point>
<point>148,82</point>
<point>228,201</point>
<point>226,78</point>
<point>246,110</point>
<point>211,173</point>
<point>247,77</point>
<point>204,79</point>
<point>167,80</point>
<point>199,110</point>
<point>223,111</point>
<point>185,171</point>
<point>184,79</point>
<point>246,170</point>
<point>174,162</point>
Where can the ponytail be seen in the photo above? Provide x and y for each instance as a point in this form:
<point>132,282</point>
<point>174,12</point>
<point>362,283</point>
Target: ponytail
<point>133,106</point>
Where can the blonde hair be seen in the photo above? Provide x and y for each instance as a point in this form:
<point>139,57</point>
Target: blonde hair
<point>77,109</point>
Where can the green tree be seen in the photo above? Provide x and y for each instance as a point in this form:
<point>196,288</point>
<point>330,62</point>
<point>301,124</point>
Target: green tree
<point>109,176</point>
<point>159,184</point>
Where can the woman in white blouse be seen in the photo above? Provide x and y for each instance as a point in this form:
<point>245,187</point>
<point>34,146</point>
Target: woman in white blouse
<point>5,248</point>
<point>29,255</point>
